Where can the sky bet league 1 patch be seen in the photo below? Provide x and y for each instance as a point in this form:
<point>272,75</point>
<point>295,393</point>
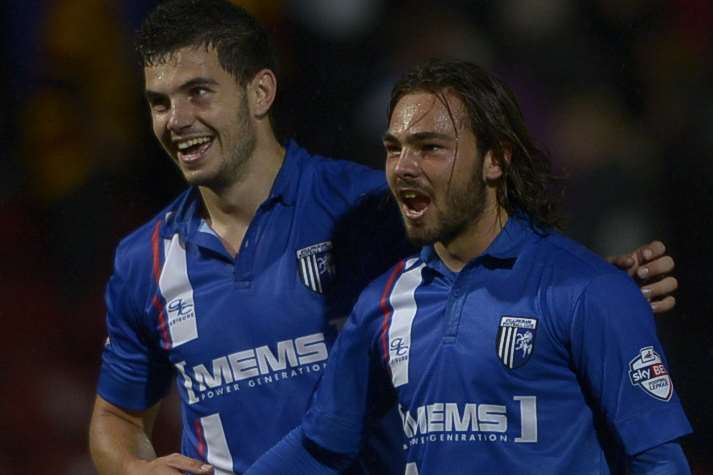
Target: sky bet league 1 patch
<point>516,340</point>
<point>648,372</point>
<point>316,266</point>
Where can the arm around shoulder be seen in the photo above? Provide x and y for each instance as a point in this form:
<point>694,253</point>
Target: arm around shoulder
<point>652,269</point>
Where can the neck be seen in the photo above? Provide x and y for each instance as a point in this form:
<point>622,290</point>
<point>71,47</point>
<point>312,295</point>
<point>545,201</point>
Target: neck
<point>237,203</point>
<point>473,240</point>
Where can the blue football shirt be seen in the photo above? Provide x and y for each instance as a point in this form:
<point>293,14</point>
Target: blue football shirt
<point>246,338</point>
<point>538,357</point>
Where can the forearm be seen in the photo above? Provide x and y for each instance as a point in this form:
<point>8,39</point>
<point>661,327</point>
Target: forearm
<point>117,441</point>
<point>665,459</point>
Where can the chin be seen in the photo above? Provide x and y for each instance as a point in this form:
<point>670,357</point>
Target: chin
<point>419,236</point>
<point>201,175</point>
<point>199,179</point>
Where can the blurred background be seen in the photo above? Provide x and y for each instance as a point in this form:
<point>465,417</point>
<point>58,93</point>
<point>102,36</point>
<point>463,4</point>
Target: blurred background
<point>619,91</point>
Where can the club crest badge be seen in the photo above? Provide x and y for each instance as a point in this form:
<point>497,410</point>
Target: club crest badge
<point>648,372</point>
<point>516,340</point>
<point>316,266</point>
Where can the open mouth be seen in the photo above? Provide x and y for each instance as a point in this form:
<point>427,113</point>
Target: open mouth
<point>191,150</point>
<point>413,203</point>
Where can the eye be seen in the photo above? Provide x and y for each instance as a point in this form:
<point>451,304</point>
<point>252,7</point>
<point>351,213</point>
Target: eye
<point>392,149</point>
<point>431,147</point>
<point>158,105</point>
<point>199,91</point>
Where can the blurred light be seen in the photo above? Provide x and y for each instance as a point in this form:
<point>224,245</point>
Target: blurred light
<point>535,19</point>
<point>338,19</point>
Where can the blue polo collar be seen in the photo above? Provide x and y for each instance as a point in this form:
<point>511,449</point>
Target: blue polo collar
<point>185,217</point>
<point>505,248</point>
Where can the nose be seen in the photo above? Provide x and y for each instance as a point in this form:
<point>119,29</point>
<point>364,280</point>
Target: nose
<point>180,117</point>
<point>407,164</point>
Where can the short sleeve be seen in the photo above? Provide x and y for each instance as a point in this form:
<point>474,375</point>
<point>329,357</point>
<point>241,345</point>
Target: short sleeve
<point>619,357</point>
<point>134,373</point>
<point>352,390</point>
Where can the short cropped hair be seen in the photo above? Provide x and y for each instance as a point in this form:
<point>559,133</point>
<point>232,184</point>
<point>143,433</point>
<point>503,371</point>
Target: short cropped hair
<point>242,44</point>
<point>496,120</point>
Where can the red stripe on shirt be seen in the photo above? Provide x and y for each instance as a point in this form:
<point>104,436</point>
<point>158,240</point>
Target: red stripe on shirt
<point>156,301</point>
<point>200,438</point>
<point>386,308</point>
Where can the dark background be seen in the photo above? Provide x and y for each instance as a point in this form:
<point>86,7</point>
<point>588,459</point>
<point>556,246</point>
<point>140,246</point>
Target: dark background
<point>620,92</point>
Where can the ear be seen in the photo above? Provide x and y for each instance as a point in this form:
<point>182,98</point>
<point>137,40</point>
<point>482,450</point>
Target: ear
<point>262,90</point>
<point>494,163</point>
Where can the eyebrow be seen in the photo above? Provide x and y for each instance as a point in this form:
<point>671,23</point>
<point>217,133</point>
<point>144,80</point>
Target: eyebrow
<point>419,137</point>
<point>199,81</point>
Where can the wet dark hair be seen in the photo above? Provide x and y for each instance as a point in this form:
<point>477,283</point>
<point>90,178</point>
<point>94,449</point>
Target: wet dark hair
<point>496,120</point>
<point>243,46</point>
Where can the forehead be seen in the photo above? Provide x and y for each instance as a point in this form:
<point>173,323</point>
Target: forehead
<point>183,65</point>
<point>427,112</point>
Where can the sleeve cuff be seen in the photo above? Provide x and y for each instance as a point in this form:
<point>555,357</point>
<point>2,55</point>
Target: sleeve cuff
<point>290,456</point>
<point>332,433</point>
<point>125,394</point>
<point>645,431</point>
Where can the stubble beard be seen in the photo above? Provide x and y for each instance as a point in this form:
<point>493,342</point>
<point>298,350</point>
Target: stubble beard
<point>464,207</point>
<point>232,170</point>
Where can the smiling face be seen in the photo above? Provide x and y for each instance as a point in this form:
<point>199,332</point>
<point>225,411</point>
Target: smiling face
<point>201,116</point>
<point>433,167</point>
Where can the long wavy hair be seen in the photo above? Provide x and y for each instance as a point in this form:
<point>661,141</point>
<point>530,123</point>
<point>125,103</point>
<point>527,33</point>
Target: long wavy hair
<point>528,183</point>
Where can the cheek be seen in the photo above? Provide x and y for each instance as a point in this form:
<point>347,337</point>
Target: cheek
<point>161,134</point>
<point>463,171</point>
<point>389,169</point>
<point>437,172</point>
<point>158,126</point>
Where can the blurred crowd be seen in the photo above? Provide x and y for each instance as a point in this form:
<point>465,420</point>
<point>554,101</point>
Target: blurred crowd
<point>619,91</point>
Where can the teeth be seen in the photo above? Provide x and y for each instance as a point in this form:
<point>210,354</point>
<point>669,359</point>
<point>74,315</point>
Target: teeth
<point>190,143</point>
<point>409,195</point>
